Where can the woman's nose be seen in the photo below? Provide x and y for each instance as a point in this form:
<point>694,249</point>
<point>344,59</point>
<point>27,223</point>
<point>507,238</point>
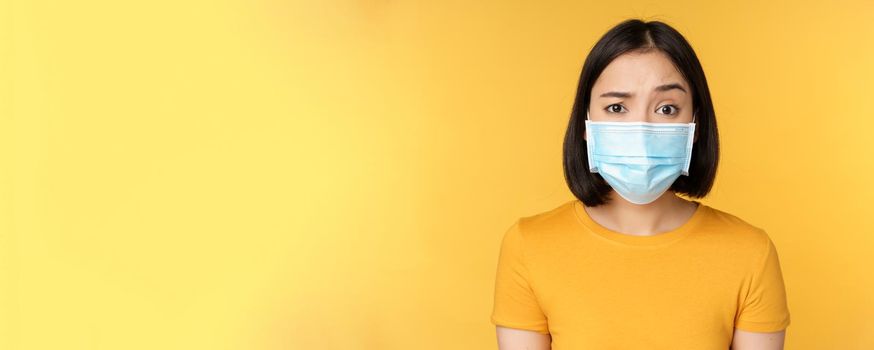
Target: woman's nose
<point>640,116</point>
<point>645,115</point>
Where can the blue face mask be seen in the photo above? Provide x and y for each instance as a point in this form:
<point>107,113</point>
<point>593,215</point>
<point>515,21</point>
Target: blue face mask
<point>640,160</point>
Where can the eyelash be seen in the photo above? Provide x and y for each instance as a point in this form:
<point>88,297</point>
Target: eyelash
<point>677,109</point>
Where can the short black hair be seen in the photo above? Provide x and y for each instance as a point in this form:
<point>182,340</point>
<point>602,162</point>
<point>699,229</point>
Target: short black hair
<point>639,35</point>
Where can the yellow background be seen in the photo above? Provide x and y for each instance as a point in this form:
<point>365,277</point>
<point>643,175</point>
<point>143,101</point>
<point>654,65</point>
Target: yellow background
<point>337,174</point>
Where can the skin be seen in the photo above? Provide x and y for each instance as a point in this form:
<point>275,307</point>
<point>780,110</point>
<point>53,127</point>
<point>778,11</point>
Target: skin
<point>520,339</point>
<point>638,74</point>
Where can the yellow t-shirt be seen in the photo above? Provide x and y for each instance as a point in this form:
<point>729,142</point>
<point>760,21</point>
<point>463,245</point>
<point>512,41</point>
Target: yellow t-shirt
<point>561,273</point>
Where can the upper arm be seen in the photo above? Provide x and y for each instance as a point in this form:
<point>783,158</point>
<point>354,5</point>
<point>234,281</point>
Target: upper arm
<point>764,308</point>
<point>744,340</point>
<point>513,339</point>
<point>515,303</point>
<point>764,314</point>
<point>520,322</point>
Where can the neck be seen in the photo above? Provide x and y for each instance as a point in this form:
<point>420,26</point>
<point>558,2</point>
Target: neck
<point>664,214</point>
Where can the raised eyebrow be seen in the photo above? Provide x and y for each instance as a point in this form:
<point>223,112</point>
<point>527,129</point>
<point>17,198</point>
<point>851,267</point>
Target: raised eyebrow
<point>670,86</point>
<point>619,94</point>
<point>660,88</point>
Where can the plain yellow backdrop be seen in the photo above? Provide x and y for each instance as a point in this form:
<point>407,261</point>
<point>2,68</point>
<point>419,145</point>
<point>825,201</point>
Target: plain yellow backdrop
<point>337,174</point>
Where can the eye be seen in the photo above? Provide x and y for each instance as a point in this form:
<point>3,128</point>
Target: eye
<point>667,109</point>
<point>612,109</point>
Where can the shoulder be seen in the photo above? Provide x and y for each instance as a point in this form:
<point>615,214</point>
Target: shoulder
<point>722,220</point>
<point>736,234</point>
<point>549,222</point>
<point>543,231</point>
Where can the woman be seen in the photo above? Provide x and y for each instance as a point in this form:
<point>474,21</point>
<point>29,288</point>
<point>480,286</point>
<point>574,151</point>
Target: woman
<point>629,264</point>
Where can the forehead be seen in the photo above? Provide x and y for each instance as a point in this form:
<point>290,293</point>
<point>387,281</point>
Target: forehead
<point>638,70</point>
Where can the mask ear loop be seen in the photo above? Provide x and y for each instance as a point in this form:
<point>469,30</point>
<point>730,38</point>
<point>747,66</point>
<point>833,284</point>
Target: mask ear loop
<point>589,145</point>
<point>689,144</point>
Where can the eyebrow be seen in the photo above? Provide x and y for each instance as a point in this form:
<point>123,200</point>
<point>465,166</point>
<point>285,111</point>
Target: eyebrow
<point>660,88</point>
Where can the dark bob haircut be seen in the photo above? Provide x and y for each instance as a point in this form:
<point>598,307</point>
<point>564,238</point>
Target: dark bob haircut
<point>637,35</point>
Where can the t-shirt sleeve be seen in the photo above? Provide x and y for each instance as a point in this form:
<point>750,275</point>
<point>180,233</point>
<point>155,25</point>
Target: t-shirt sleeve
<point>515,305</point>
<point>765,308</point>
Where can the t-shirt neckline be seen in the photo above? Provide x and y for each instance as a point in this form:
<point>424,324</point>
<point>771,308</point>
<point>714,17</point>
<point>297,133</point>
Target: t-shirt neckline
<point>659,239</point>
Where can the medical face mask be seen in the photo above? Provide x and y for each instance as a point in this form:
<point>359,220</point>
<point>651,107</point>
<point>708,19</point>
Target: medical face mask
<point>640,160</point>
